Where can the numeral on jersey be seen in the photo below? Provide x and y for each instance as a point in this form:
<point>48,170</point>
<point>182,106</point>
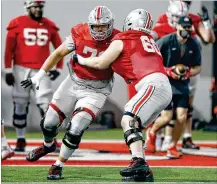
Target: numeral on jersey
<point>149,45</point>
<point>35,36</point>
<point>94,52</point>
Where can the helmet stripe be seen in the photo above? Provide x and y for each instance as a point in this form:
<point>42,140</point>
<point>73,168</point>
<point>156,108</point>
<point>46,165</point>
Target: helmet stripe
<point>99,9</point>
<point>148,21</point>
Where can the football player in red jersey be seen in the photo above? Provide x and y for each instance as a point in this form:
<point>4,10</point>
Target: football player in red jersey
<point>202,31</point>
<point>82,94</point>
<point>27,46</point>
<point>134,55</point>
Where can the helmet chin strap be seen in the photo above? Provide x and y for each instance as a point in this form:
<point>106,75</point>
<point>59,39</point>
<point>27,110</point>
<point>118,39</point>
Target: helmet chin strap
<point>34,17</point>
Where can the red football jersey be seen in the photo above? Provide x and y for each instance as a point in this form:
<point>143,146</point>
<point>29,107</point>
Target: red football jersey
<point>140,56</point>
<point>86,46</point>
<point>28,42</point>
<point>163,28</point>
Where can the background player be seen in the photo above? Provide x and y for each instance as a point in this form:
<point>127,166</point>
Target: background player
<point>27,46</point>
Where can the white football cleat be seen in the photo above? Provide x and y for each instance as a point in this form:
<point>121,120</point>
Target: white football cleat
<point>7,152</point>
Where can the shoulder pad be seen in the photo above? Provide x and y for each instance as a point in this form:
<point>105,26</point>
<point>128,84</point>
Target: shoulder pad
<point>162,19</point>
<point>195,18</point>
<point>14,23</point>
<point>81,30</point>
<point>51,23</point>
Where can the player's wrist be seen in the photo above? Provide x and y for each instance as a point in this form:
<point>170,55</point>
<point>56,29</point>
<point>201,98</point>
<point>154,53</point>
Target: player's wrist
<point>41,73</point>
<point>8,70</point>
<point>81,60</point>
<point>207,24</point>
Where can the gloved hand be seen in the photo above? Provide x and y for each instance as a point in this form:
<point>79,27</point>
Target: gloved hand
<point>9,78</point>
<point>205,14</point>
<point>53,74</point>
<point>35,80</point>
<point>186,76</point>
<point>170,72</point>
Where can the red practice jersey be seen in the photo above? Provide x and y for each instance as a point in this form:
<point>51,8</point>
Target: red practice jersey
<point>163,28</point>
<point>28,42</point>
<point>86,46</point>
<point>140,56</point>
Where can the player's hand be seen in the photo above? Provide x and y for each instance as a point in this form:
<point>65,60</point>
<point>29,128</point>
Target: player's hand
<point>204,14</point>
<point>186,76</point>
<point>170,72</point>
<point>35,80</point>
<point>9,78</point>
<point>53,74</point>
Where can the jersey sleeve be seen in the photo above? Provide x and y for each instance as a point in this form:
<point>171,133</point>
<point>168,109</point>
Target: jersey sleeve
<point>10,42</point>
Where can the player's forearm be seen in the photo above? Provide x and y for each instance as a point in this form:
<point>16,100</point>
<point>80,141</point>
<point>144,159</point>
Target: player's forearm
<point>55,57</point>
<point>206,33</point>
<point>51,61</point>
<point>9,50</point>
<point>93,62</point>
<point>195,70</point>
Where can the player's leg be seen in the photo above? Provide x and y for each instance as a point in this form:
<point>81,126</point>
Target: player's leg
<point>187,133</point>
<point>181,115</point>
<point>6,151</point>
<point>21,103</point>
<point>87,107</point>
<point>140,111</point>
<point>61,105</point>
<point>160,122</point>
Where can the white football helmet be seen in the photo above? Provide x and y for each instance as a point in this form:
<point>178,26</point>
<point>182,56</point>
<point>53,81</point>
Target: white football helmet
<point>140,20</point>
<point>176,9</point>
<point>101,15</point>
<point>30,3</point>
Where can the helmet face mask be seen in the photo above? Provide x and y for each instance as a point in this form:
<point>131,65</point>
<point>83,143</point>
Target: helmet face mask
<point>100,17</point>
<point>176,9</point>
<point>140,20</point>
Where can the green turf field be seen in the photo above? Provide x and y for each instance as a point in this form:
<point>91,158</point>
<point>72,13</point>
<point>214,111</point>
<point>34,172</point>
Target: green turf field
<point>111,174</point>
<point>111,134</point>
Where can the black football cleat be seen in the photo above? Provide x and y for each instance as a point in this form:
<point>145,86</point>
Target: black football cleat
<point>55,173</point>
<point>39,152</point>
<point>20,145</point>
<point>137,171</point>
<point>187,143</point>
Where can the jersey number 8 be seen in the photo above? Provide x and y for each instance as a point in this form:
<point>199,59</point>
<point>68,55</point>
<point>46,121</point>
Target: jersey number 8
<point>35,36</point>
<point>149,45</point>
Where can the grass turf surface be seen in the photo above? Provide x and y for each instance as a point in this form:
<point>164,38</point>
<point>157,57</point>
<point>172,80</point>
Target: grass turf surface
<point>109,134</point>
<point>103,174</point>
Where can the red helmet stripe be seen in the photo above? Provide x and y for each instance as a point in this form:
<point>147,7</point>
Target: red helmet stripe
<point>99,9</point>
<point>148,21</point>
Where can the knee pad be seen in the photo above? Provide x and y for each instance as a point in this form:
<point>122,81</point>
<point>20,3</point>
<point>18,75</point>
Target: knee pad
<point>70,139</point>
<point>75,129</point>
<point>20,115</point>
<point>42,108</point>
<point>190,111</point>
<point>48,132</point>
<point>133,134</point>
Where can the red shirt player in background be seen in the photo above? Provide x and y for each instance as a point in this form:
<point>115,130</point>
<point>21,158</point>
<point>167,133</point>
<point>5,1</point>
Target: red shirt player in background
<point>83,92</point>
<point>27,47</point>
<point>202,31</point>
<point>134,55</point>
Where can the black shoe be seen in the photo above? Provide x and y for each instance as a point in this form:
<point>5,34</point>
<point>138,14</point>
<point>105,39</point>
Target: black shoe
<point>39,152</point>
<point>138,170</point>
<point>20,145</point>
<point>55,173</point>
<point>188,144</point>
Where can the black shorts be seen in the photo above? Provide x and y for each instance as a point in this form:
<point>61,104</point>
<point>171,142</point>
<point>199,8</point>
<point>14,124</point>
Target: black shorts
<point>178,101</point>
